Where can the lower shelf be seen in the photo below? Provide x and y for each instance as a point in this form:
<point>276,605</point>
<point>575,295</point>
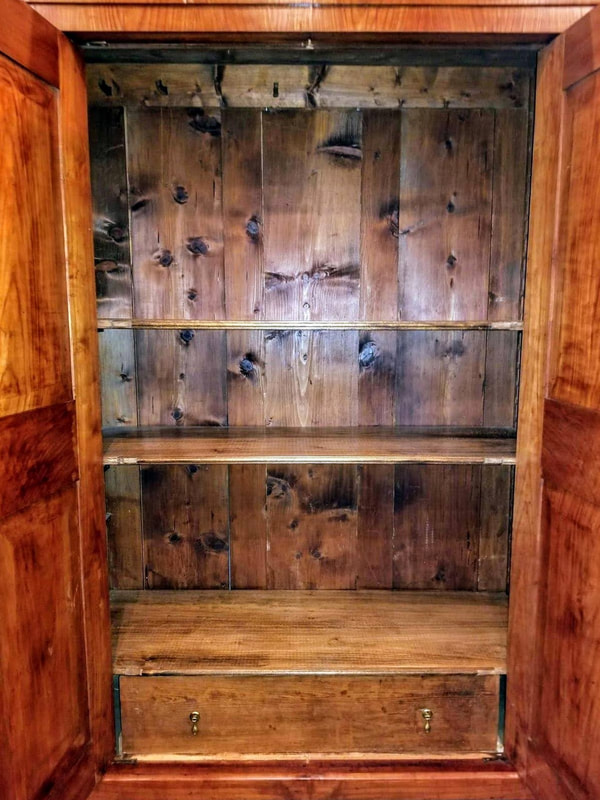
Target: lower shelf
<point>283,674</point>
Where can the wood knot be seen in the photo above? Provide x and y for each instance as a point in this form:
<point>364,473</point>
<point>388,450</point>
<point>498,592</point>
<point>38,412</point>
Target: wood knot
<point>177,414</point>
<point>450,208</point>
<point>186,336</point>
<point>451,261</point>
<point>247,366</point>
<point>180,195</point>
<point>253,228</point>
<point>164,258</point>
<point>368,353</point>
<point>197,246</point>
<point>139,205</point>
<point>201,122</point>
<point>116,233</point>
<point>191,469</point>
<point>175,538</point>
<point>192,294</point>
<point>161,87</point>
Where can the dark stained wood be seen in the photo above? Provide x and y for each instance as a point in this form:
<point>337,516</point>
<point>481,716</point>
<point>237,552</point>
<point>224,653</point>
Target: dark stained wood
<point>380,212</point>
<point>311,378</point>
<point>436,527</point>
<point>246,378</point>
<point>118,378</point>
<point>311,527</point>
<point>124,527</point>
<point>248,526</point>
<point>241,153</point>
<point>181,377</point>
<point>374,547</point>
<point>176,216</point>
<point>502,352</point>
<point>35,369</point>
<point>185,527</point>
<point>509,212</point>
<point>494,536</point>
<point>445,213</point>
<point>377,377</point>
<point>39,552</point>
<point>311,180</point>
<point>440,377</point>
<point>37,453</point>
<point>394,779</point>
<point>314,714</point>
<point>112,255</point>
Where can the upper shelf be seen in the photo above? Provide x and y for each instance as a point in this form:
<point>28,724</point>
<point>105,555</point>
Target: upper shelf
<point>254,324</point>
<point>374,445</point>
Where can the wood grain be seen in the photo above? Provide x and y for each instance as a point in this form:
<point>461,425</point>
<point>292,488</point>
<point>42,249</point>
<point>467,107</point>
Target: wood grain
<point>322,445</point>
<point>176,214</point>
<point>124,527</point>
<point>118,377</point>
<point>311,179</point>
<point>34,343</point>
<point>185,527</point>
<point>311,519</point>
<point>445,213</point>
<point>436,527</point>
<point>582,55</point>
<point>379,218</point>
<point>286,715</point>
<point>308,632</point>
<point>374,548</point>
<point>37,452</point>
<point>373,325</point>
<point>377,377</point>
<point>112,253</point>
<point>181,377</point>
<point>502,356</point>
<point>241,154</point>
<point>30,41</point>
<point>246,378</point>
<point>494,536</point>
<point>248,526</point>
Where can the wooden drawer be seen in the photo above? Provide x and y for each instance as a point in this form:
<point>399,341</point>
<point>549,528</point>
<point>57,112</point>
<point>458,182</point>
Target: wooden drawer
<point>281,715</point>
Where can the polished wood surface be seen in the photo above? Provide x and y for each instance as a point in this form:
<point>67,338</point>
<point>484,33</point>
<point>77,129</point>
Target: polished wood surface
<point>582,52</point>
<point>375,445</point>
<point>30,41</point>
<point>302,325</point>
<point>86,386</point>
<point>527,533</point>
<point>36,447</point>
<point>90,19</point>
<point>396,779</point>
<point>270,633</point>
<point>241,717</point>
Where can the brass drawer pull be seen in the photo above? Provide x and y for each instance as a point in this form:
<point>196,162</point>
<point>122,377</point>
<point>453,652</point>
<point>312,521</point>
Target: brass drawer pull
<point>195,719</point>
<point>427,715</point>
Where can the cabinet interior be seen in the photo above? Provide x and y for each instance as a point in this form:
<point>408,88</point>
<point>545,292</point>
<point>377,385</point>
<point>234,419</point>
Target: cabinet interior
<point>310,282</point>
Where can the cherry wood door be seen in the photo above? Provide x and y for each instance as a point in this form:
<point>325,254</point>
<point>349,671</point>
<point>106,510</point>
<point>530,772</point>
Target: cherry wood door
<point>55,717</point>
<point>554,659</point>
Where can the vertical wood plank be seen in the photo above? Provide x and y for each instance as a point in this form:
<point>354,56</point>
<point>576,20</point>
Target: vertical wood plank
<point>509,213</point>
<point>118,378</point>
<point>248,525</point>
<point>312,179</point>
<point>440,378</point>
<point>246,378</point>
<point>436,526</point>
<point>242,212</point>
<point>311,378</point>
<point>494,540</point>
<point>312,526</point>
<point>124,527</point>
<point>112,256</point>
<point>186,526</point>
<point>176,214</point>
<point>445,213</point>
<point>377,377</point>
<point>375,526</point>
<point>500,401</point>
<point>181,377</point>
<point>380,213</point>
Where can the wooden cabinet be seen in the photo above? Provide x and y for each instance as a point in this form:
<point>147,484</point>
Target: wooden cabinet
<point>345,350</point>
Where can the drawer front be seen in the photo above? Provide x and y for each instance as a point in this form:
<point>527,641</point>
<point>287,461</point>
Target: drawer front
<point>311,714</point>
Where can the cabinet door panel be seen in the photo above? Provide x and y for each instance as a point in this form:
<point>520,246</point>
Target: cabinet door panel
<point>55,712</point>
<point>555,611</point>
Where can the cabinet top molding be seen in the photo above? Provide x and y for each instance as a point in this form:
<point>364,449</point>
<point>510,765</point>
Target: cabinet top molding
<point>182,21</point>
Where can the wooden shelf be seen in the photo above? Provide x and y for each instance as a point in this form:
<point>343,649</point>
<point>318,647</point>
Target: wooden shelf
<point>295,325</point>
<point>318,632</point>
<point>209,445</point>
